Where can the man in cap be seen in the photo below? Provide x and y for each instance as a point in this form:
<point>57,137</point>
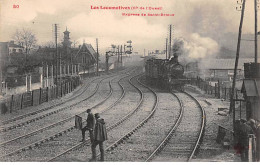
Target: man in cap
<point>100,135</point>
<point>90,126</point>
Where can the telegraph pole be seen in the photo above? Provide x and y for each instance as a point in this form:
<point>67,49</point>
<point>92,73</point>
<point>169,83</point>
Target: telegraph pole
<point>56,43</point>
<point>1,77</point>
<point>118,55</point>
<point>255,31</point>
<point>170,42</point>
<point>60,70</point>
<point>107,56</point>
<point>97,56</point>
<point>121,50</point>
<point>166,45</point>
<point>231,107</point>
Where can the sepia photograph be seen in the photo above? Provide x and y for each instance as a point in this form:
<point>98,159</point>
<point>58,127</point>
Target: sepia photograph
<point>129,81</point>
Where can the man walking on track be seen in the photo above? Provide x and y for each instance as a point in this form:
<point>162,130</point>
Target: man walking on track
<point>90,126</point>
<point>100,135</point>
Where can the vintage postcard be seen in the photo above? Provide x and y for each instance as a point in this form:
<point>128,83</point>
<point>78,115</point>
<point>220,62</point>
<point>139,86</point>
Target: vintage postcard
<point>129,81</point>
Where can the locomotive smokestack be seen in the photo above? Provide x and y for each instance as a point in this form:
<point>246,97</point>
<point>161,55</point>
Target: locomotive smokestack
<point>175,57</point>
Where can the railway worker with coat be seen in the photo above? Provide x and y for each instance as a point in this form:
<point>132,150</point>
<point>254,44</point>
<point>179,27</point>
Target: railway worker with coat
<point>90,126</point>
<point>100,135</point>
<point>243,129</point>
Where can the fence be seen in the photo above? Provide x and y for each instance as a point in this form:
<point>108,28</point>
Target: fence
<point>217,90</point>
<point>38,96</point>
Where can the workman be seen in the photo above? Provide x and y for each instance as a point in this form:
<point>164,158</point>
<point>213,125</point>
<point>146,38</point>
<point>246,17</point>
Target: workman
<point>90,126</point>
<point>100,135</point>
<point>246,129</point>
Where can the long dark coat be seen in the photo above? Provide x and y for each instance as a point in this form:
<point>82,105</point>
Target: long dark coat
<point>100,133</point>
<point>90,121</point>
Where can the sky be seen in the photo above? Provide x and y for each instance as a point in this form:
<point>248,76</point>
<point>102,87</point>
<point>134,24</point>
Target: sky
<point>204,24</point>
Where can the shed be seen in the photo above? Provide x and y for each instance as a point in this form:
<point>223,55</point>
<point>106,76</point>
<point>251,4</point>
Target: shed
<point>251,91</point>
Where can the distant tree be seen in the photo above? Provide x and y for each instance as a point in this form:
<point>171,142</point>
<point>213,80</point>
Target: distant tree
<point>25,38</point>
<point>51,44</point>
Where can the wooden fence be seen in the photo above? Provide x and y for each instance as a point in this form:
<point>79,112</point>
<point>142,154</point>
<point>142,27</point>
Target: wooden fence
<point>37,97</point>
<point>218,91</point>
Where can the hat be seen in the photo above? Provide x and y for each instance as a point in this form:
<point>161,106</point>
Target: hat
<point>97,115</point>
<point>88,110</point>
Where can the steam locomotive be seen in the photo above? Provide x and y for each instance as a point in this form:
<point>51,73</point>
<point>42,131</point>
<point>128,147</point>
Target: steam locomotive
<point>165,73</point>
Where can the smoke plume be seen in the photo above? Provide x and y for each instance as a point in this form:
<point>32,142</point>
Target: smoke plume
<point>195,48</point>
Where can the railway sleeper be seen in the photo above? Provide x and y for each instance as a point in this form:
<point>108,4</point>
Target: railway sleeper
<point>120,141</point>
<point>112,148</point>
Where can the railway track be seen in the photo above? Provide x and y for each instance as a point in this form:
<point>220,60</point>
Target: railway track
<point>5,122</point>
<point>44,115</point>
<point>48,127</point>
<point>137,146</point>
<point>186,142</point>
<point>47,112</point>
<point>37,143</point>
<point>42,109</point>
<point>170,133</point>
<point>129,133</point>
<point>179,153</point>
<point>87,142</point>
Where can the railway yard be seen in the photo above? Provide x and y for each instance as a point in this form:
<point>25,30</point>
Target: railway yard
<point>144,123</point>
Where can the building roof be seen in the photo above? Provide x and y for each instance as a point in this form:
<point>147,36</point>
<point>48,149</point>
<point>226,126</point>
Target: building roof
<point>12,44</point>
<point>227,64</point>
<point>4,47</point>
<point>251,87</point>
<point>90,50</point>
